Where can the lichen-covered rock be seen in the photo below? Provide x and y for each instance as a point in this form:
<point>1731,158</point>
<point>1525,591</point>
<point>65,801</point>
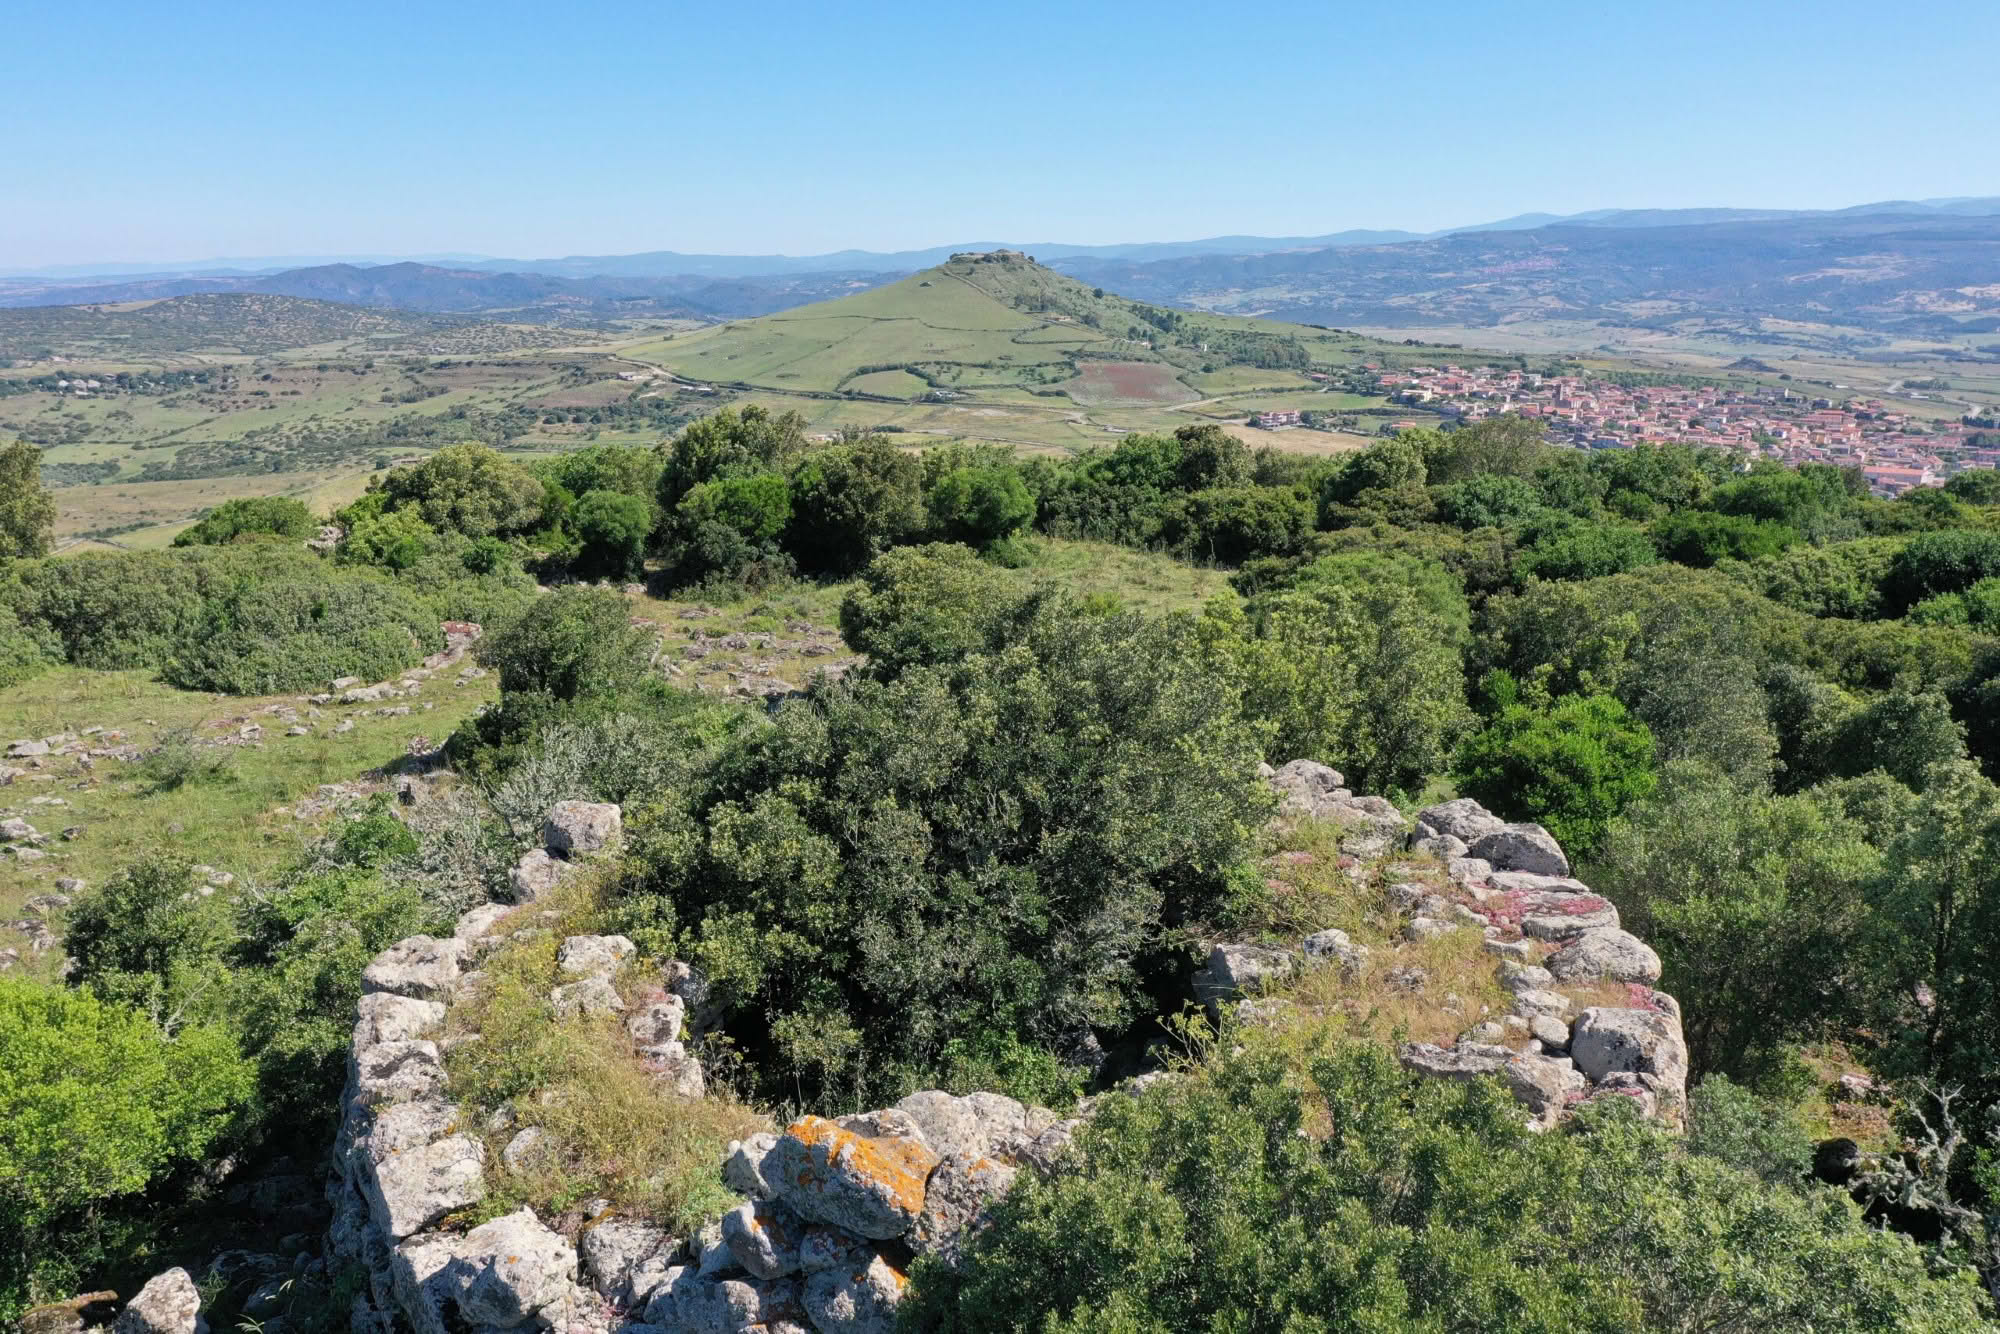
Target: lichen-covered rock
<point>764,1237</point>
<point>691,1304</point>
<point>578,828</point>
<point>417,1168</point>
<point>1332,946</point>
<point>536,874</point>
<point>657,1022</point>
<point>956,1201</point>
<point>626,1261</point>
<point>1543,1085</point>
<point>421,967</point>
<point>397,1071</point>
<point>842,1300</point>
<point>513,1270</point>
<point>478,923</point>
<point>1521,847</point>
<point>1236,971</point>
<point>1605,954</point>
<point>168,1304</point>
<point>593,956</point>
<point>871,1187</point>
<point>743,1169</point>
<point>1464,819</point>
<point>976,1124</point>
<point>593,995</point>
<point>383,1016</point>
<point>530,1150</point>
<point>1467,1060</point>
<point>675,1068</point>
<point>1607,1041</point>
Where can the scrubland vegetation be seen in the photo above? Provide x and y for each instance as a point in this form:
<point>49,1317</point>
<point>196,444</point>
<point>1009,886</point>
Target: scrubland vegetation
<point>1758,709</point>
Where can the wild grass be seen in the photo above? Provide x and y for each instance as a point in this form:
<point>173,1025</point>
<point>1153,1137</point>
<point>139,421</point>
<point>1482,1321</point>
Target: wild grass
<point>613,1131</point>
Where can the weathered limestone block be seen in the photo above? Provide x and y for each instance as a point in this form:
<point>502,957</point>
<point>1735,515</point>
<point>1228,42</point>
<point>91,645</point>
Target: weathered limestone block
<point>1605,954</point>
<point>871,1187</point>
<point>169,1303</point>
<point>421,967</point>
<point>576,829</point>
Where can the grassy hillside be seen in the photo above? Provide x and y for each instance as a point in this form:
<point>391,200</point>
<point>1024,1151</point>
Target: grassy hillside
<point>995,346</point>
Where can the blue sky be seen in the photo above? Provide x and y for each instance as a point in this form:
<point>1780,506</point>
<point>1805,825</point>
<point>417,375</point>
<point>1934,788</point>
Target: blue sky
<point>174,132</point>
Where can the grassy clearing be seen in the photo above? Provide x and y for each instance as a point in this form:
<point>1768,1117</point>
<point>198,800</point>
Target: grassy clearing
<point>239,821</point>
<point>613,1132</point>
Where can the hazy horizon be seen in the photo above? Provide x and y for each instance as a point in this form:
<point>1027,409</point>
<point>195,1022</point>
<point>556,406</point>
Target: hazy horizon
<point>242,131</point>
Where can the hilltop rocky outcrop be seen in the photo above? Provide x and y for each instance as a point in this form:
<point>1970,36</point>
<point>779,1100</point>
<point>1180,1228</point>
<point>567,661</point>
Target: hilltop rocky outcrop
<point>1550,936</point>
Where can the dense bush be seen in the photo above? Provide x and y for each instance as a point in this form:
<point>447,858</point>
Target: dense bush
<point>470,489</point>
<point>611,532</point>
<point>1931,564</point>
<point>977,851</point>
<point>22,654</point>
<point>27,510</point>
<point>852,502</point>
<point>980,505</point>
<point>294,634</point>
<point>1701,539</point>
<point>261,516</point>
<point>1354,1196</point>
<point>923,606</point>
<point>1572,765</point>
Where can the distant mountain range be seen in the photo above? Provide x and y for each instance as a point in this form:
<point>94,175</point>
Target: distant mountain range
<point>670,263</point>
<point>1928,269</point>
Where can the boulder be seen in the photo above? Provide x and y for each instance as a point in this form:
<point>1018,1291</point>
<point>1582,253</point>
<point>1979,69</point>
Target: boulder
<point>576,829</point>
<point>513,1270</point>
<point>688,1302</point>
<point>743,1169</point>
<point>1468,870</point>
<point>16,830</point>
<point>1444,847</point>
<point>1532,1001</point>
<point>1543,1085</point>
<point>1464,819</point>
<point>421,967</point>
<point>1521,847</point>
<point>383,1016</point>
<point>593,956</point>
<point>528,1151</point>
<point>1235,971</point>
<point>1467,1060</point>
<point>1308,776</point>
<point>626,1261</point>
<point>956,1202</point>
<point>1605,954</point>
<point>657,1023</point>
<point>1550,1031</point>
<point>674,1067</point>
<point>977,1125</point>
<point>535,875</point>
<point>1609,1041</point>
<point>478,923</point>
<point>25,750</point>
<point>764,1237</point>
<point>871,1187</point>
<point>397,1071</point>
<point>688,982</point>
<point>1333,946</point>
<point>418,1168</point>
<point>169,1303</point>
<point>593,995</point>
<point>843,1300</point>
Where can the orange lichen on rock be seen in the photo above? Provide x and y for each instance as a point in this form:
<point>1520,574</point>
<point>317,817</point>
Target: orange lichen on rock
<point>873,1187</point>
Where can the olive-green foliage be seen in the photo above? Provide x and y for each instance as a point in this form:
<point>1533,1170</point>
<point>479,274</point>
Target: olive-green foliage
<point>1976,486</point>
<point>1931,564</point>
<point>1355,1196</point>
<point>1935,922</point>
<point>757,507</point>
<point>392,539</point>
<point>1842,579</point>
<point>1648,480</point>
<point>923,606</point>
<point>1977,608</point>
<point>27,510</point>
<point>1755,904</point>
<point>1489,501</point>
<point>1390,465</point>
<point>625,469</point>
<point>95,1103</point>
<point>292,634</point>
<point>1571,551</point>
<point>852,502</point>
<point>611,531</point>
<point>1372,569</point>
<point>22,654</point>
<point>1731,1124</point>
<point>1231,525</point>
<point>1700,539</point>
<point>1362,675</point>
<point>1505,446</point>
<point>572,643</point>
<point>1573,765</point>
<point>976,851</point>
<point>980,505</point>
<point>1806,499</point>
<point>470,489</point>
<point>726,444</point>
<point>249,517</point>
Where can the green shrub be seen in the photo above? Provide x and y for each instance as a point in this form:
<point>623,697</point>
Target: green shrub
<point>1232,525</point>
<point>252,517</point>
<point>1573,766</point>
<point>852,502</point>
<point>611,531</point>
<point>27,510</point>
<point>1575,551</point>
<point>1732,1125</point>
<point>980,505</point>
<point>1355,1196</point>
<point>1931,564</point>
<point>178,758</point>
<point>22,654</point>
<point>470,489</point>
<point>977,848</point>
<point>1700,539</point>
<point>294,634</point>
<point>921,606</point>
